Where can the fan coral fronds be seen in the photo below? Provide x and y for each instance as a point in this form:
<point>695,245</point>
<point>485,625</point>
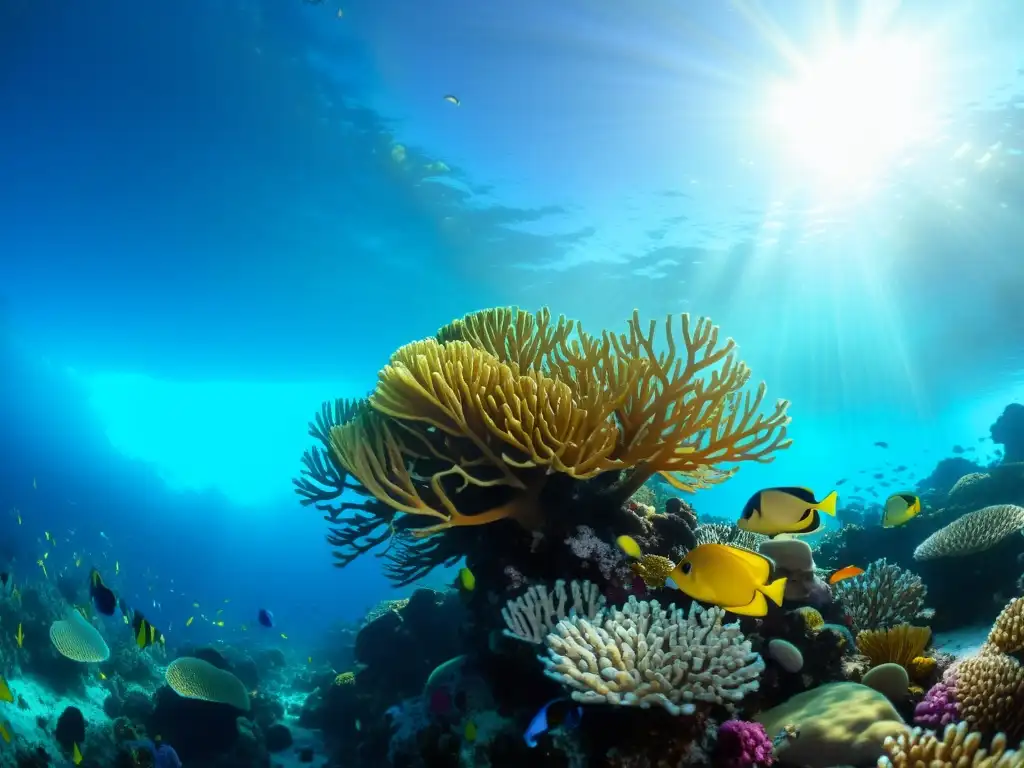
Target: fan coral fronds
<point>1008,631</point>
<point>958,747</point>
<point>884,596</point>
<point>644,656</point>
<point>898,645</point>
<point>974,532</point>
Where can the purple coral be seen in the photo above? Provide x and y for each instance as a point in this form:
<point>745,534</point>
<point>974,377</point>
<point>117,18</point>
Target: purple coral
<point>742,744</point>
<point>938,708</point>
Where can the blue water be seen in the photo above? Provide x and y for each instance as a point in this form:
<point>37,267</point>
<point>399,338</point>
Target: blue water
<point>213,219</point>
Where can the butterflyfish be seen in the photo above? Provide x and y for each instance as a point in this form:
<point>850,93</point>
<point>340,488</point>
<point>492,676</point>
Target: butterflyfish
<point>265,618</point>
<point>732,578</point>
<point>101,595</point>
<point>845,573</point>
<point>899,509</point>
<point>785,510</point>
<point>145,633</point>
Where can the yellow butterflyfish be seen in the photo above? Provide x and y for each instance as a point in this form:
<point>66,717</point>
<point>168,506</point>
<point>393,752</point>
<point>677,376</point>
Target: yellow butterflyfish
<point>20,636</point>
<point>189,622</point>
<point>788,509</point>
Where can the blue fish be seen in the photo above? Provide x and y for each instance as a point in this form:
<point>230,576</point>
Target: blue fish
<point>556,713</point>
<point>265,617</point>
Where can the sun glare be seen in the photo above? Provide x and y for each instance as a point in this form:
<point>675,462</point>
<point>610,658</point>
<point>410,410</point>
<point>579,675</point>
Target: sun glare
<point>855,112</point>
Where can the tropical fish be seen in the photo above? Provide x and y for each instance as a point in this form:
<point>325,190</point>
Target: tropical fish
<point>557,713</point>
<point>265,618</point>
<point>5,691</point>
<point>101,595</point>
<point>5,731</point>
<point>284,636</point>
<point>882,444</point>
<point>42,565</point>
<point>845,573</point>
<point>470,731</point>
<point>76,755</point>
<point>467,579</point>
<point>145,633</point>
<point>190,620</point>
<point>19,637</point>
<point>899,509</point>
<point>452,99</point>
<point>785,510</point>
<point>628,545</point>
<point>117,567</point>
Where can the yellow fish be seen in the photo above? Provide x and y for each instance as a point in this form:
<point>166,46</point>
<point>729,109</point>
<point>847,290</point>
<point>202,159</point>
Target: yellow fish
<point>309,659</point>
<point>76,755</point>
<point>732,578</point>
<point>470,731</point>
<point>102,676</point>
<point>78,562</point>
<point>20,637</point>
<point>5,731</point>
<point>899,509</point>
<point>39,562</point>
<point>467,579</point>
<point>190,620</point>
<point>284,636</point>
<point>785,510</point>
<point>219,623</point>
<point>47,534</point>
<point>5,691</point>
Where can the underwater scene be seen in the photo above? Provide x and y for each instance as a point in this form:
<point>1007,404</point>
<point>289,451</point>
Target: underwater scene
<point>478,385</point>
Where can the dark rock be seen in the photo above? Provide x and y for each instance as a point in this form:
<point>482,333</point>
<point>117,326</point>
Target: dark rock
<point>278,737</point>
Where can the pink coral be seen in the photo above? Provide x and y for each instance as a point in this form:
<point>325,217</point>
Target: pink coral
<point>938,708</point>
<point>742,744</point>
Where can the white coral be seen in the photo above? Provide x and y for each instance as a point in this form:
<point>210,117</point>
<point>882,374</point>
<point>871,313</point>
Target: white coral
<point>534,614</point>
<point>644,656</point>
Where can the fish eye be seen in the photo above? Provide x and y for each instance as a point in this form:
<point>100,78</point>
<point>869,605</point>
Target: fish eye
<point>686,568</point>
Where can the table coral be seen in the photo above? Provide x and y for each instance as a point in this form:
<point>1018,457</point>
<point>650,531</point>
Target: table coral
<point>974,532</point>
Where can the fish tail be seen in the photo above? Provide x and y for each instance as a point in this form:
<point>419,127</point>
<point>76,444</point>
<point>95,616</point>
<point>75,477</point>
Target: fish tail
<point>775,590</point>
<point>828,504</point>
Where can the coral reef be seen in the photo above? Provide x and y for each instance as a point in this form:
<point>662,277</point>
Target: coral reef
<point>884,596</point>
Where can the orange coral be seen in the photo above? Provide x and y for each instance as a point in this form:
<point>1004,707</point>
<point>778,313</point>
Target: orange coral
<point>900,645</point>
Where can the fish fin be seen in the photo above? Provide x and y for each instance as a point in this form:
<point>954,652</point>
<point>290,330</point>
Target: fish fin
<point>757,564</point>
<point>828,504</point>
<point>757,607</point>
<point>776,590</point>
<point>813,526</point>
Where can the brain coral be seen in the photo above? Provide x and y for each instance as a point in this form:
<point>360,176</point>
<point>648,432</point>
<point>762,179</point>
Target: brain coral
<point>197,679</point>
<point>78,640</point>
<point>974,532</point>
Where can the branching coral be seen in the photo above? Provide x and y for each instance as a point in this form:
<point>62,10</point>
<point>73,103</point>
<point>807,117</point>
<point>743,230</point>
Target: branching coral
<point>958,747</point>
<point>990,693</point>
<point>1007,634</point>
<point>470,427</point>
<point>974,532</point>
<point>644,655</point>
<point>535,613</point>
<point>884,596</point>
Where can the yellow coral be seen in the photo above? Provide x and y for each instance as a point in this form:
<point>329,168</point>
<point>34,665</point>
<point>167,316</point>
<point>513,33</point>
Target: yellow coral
<point>345,678</point>
<point>922,667</point>
<point>813,620</point>
<point>1008,631</point>
<point>957,748</point>
<point>898,645</point>
<point>653,569</point>
<point>503,398</point>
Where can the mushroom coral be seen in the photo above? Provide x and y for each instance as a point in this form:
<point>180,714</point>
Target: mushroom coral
<point>505,415</point>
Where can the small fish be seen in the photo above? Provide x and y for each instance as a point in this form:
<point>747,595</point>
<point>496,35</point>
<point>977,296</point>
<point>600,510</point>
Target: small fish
<point>189,622</point>
<point>195,605</point>
<point>145,633</point>
<point>467,579</point>
<point>840,482</point>
<point>785,510</point>
<point>5,691</point>
<point>470,731</point>
<point>845,573</point>
<point>117,567</point>
<point>5,732</point>
<point>309,659</point>
<point>557,713</point>
<point>19,637</point>
<point>284,636</point>
<point>4,578</point>
<point>101,595</point>
<point>882,444</point>
<point>219,623</point>
<point>958,449</point>
<point>35,487</point>
<point>341,14</point>
<point>78,562</point>
<point>47,534</point>
<point>102,675</point>
<point>899,509</point>
<point>76,755</point>
<point>265,618</point>
<point>628,545</point>
<point>19,516</point>
<point>42,565</point>
<point>452,99</point>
